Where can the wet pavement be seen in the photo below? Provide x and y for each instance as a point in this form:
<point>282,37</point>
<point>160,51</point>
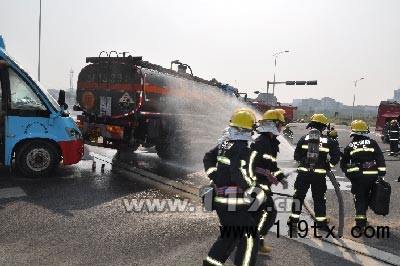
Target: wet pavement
<point>80,217</point>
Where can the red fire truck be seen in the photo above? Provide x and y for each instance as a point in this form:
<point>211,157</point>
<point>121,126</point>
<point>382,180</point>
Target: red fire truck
<point>263,106</point>
<point>387,111</point>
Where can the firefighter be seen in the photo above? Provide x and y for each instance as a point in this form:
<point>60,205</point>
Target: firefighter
<point>385,132</point>
<point>394,137</point>
<point>226,165</point>
<point>362,162</point>
<point>263,166</point>
<point>287,132</point>
<point>312,170</point>
<point>333,134</point>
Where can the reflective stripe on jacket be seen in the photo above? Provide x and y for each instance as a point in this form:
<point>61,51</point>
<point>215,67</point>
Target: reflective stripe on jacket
<point>263,155</point>
<point>327,147</point>
<point>363,156</point>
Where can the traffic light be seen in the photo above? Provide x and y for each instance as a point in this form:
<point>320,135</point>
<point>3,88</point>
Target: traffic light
<point>301,82</point>
<point>312,82</point>
<point>290,82</point>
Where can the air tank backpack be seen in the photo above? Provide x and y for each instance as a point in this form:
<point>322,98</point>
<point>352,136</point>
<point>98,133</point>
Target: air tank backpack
<point>313,147</point>
<point>379,200</point>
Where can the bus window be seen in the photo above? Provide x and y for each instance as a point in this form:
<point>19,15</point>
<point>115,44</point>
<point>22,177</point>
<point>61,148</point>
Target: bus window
<point>22,97</point>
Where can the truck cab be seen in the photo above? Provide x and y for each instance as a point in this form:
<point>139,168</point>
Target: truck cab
<point>387,111</point>
<point>35,131</point>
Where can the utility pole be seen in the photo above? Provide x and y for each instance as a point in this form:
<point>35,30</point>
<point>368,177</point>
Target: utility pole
<point>276,56</point>
<point>354,97</point>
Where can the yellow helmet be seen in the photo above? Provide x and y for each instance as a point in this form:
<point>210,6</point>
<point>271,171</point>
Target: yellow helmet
<point>243,118</point>
<point>359,126</point>
<point>274,115</point>
<point>393,122</point>
<point>319,118</point>
<point>333,134</point>
<point>246,110</point>
<point>281,111</point>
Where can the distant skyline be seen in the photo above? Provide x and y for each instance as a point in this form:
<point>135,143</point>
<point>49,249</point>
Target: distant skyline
<point>333,41</point>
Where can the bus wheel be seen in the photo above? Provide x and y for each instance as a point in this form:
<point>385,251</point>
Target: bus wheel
<point>37,159</point>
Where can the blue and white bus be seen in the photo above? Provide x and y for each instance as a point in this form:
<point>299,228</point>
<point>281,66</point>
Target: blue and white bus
<point>35,131</point>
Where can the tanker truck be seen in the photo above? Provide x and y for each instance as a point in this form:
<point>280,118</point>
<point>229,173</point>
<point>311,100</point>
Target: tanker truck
<point>127,102</point>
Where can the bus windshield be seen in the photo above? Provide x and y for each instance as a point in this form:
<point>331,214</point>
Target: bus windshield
<point>42,88</point>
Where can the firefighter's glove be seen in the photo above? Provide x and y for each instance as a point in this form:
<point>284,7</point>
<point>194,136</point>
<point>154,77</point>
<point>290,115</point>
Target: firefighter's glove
<point>284,183</point>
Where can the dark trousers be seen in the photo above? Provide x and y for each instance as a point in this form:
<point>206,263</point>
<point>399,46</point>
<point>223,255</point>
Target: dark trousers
<point>361,188</point>
<point>247,244</point>
<point>266,216</point>
<point>318,189</point>
<point>394,146</point>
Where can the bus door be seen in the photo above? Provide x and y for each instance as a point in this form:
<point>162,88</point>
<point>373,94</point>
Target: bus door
<point>3,81</point>
<point>26,115</point>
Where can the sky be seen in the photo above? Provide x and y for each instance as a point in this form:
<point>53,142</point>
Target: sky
<point>333,41</point>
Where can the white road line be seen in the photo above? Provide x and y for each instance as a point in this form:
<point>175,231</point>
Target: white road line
<point>14,192</point>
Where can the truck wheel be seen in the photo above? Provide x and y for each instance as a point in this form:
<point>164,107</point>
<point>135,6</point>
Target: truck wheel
<point>37,159</point>
<point>162,151</point>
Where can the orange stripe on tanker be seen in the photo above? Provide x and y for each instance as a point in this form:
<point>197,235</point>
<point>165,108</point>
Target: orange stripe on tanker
<point>137,87</point>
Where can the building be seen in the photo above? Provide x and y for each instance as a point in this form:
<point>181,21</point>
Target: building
<point>332,108</point>
<point>396,97</point>
<point>268,98</point>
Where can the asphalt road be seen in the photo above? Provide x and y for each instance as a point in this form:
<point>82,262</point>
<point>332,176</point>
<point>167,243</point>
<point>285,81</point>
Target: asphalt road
<point>80,217</point>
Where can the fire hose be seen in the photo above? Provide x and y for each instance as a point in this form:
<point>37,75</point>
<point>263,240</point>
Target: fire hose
<point>340,200</point>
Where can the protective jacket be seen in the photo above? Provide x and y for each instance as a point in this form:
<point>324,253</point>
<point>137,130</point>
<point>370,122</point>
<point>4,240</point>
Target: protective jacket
<point>226,166</point>
<point>363,156</point>
<point>327,147</point>
<point>394,132</point>
<point>362,162</point>
<point>263,159</point>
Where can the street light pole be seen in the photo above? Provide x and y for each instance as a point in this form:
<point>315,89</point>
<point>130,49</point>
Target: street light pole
<point>276,56</point>
<point>354,97</point>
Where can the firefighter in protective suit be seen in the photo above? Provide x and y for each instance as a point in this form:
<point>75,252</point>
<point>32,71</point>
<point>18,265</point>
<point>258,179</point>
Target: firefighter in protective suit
<point>333,134</point>
<point>287,132</point>
<point>394,137</point>
<point>226,165</point>
<point>313,174</point>
<point>362,162</point>
<point>263,166</point>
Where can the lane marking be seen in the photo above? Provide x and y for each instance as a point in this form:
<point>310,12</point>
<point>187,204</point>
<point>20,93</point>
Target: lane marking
<point>13,192</point>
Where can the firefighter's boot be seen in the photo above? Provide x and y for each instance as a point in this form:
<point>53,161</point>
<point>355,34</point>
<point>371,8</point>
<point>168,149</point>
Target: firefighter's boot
<point>360,226</point>
<point>263,247</point>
